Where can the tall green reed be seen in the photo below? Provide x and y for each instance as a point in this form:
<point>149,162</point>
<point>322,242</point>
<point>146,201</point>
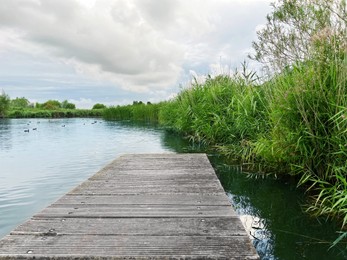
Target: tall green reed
<point>307,112</point>
<point>227,112</point>
<point>295,123</point>
<point>136,112</point>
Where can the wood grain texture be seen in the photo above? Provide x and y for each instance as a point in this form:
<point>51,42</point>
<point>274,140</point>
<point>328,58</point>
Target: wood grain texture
<point>149,206</point>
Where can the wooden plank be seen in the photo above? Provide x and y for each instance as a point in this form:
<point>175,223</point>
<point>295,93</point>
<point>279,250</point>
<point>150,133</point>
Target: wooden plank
<point>139,211</point>
<point>154,173</point>
<point>150,183</point>
<point>132,226</point>
<point>89,246</point>
<point>145,199</point>
<point>152,176</point>
<point>150,206</point>
<point>158,162</point>
<point>147,190</point>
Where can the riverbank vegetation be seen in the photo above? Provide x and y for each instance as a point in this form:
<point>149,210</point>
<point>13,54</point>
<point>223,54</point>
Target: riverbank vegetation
<point>4,104</point>
<point>291,122</point>
<point>138,111</point>
<point>53,113</point>
<point>22,108</point>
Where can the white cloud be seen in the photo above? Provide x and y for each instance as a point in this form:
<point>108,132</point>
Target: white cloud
<point>86,103</point>
<point>141,46</point>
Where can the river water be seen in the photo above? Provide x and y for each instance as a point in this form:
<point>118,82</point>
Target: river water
<point>39,166</point>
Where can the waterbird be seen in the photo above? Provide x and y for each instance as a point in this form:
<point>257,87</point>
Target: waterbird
<point>26,130</point>
<point>63,126</point>
<point>35,128</point>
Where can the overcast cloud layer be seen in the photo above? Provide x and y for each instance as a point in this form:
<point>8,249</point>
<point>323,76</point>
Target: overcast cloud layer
<point>120,50</point>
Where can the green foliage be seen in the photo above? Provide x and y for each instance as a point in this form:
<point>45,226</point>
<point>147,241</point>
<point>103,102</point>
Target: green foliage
<point>46,113</point>
<point>4,104</point>
<point>20,103</point>
<point>292,27</point>
<point>308,116</point>
<point>50,105</point>
<point>307,102</point>
<point>225,112</point>
<point>65,104</point>
<point>99,106</point>
<point>21,108</point>
<point>293,124</point>
<point>137,112</point>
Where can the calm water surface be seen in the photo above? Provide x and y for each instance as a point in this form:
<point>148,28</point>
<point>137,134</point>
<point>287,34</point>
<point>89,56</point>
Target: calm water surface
<point>39,166</point>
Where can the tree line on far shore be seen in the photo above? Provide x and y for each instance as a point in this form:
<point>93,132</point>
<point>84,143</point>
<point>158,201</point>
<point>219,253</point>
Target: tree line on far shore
<point>21,107</point>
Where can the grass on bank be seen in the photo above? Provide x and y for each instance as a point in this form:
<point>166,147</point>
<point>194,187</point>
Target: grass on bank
<point>294,124</point>
<point>135,112</point>
<point>53,113</point>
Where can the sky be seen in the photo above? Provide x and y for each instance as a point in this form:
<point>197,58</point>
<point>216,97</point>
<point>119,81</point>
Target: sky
<point>117,51</point>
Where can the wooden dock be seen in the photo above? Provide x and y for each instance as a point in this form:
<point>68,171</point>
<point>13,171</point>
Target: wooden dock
<point>148,206</point>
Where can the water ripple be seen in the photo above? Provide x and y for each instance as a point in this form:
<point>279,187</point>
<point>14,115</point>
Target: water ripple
<point>40,166</point>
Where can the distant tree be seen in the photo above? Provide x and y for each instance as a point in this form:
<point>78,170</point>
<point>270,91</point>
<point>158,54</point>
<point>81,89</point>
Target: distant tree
<point>149,103</point>
<point>70,106</point>
<point>20,102</point>
<point>4,104</point>
<point>51,104</point>
<point>99,106</point>
<point>293,28</point>
<point>67,105</point>
<point>137,103</point>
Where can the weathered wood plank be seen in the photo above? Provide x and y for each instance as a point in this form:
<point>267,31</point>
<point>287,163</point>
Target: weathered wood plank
<point>145,199</point>
<point>232,247</point>
<point>132,226</point>
<point>152,173</point>
<point>140,211</point>
<point>159,162</point>
<point>151,183</point>
<point>151,206</point>
<point>147,190</point>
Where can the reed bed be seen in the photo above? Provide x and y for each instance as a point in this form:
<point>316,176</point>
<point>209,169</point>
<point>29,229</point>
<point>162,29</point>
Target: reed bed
<point>294,124</point>
<point>136,112</point>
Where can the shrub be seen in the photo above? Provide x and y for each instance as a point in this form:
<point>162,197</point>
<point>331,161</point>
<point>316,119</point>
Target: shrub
<point>99,106</point>
<point>4,104</point>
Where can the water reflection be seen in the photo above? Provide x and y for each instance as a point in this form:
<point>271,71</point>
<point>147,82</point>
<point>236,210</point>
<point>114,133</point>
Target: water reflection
<point>39,166</point>
<point>5,134</point>
<point>260,235</point>
<point>272,213</point>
